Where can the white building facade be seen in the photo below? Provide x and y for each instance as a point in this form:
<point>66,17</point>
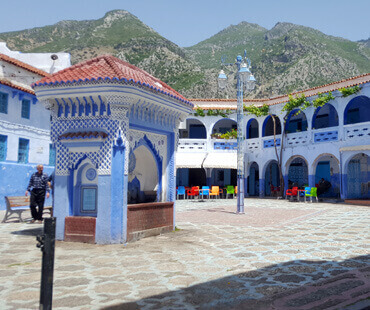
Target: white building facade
<point>330,143</point>
<point>24,127</point>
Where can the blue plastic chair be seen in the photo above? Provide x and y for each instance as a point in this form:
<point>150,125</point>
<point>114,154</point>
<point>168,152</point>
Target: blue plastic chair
<point>181,191</point>
<point>205,191</point>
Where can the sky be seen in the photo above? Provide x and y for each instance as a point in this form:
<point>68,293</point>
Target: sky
<point>188,22</point>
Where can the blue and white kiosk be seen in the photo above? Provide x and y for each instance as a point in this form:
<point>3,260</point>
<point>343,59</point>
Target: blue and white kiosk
<point>115,128</point>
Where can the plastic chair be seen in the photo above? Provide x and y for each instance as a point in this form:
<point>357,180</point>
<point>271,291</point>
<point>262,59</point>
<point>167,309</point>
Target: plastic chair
<point>205,191</point>
<point>181,191</point>
<point>215,191</point>
<point>292,192</point>
<point>230,190</point>
<point>236,190</point>
<point>194,191</point>
<point>310,192</point>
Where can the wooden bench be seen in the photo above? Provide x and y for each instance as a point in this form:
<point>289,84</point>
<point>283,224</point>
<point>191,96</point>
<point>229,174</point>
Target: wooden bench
<point>18,204</point>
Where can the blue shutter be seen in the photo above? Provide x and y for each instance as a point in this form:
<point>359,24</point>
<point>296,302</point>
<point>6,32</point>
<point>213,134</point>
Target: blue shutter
<point>3,103</point>
<point>23,147</point>
<point>3,140</point>
<point>26,106</point>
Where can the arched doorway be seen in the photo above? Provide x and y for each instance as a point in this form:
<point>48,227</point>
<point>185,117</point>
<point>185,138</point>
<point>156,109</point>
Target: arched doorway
<point>327,176</point>
<point>252,129</point>
<point>272,178</point>
<point>224,125</point>
<point>358,171</point>
<point>298,173</point>
<point>268,126</point>
<point>325,117</point>
<point>253,180</point>
<point>296,122</point>
<point>144,176</point>
<point>357,110</point>
<point>195,129</point>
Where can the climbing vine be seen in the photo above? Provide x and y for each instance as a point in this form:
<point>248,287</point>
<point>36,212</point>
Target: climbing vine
<point>300,102</point>
<point>322,99</point>
<point>349,90</point>
<point>218,112</point>
<point>257,111</point>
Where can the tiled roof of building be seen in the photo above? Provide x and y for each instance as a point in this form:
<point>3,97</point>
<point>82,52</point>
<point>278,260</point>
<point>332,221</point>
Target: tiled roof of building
<point>23,65</point>
<point>13,85</point>
<point>109,68</point>
<point>211,104</point>
<point>83,135</point>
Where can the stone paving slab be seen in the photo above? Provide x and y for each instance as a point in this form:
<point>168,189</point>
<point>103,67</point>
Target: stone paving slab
<point>279,255</point>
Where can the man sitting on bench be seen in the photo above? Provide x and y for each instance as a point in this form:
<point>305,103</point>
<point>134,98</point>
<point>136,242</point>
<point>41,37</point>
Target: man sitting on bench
<point>38,186</point>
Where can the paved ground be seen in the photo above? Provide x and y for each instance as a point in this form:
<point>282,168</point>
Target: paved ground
<point>279,255</point>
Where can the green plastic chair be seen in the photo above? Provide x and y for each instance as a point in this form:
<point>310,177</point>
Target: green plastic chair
<point>310,192</point>
<point>230,190</point>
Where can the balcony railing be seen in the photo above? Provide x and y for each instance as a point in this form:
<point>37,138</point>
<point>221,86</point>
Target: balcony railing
<point>297,139</point>
<point>222,144</point>
<point>325,135</point>
<point>357,131</point>
<point>252,144</point>
<point>192,145</point>
<point>270,142</point>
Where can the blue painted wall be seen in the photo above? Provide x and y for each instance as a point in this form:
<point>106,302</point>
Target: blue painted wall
<point>14,179</point>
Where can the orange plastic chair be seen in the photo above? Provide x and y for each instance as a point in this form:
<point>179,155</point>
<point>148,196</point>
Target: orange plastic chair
<point>236,190</point>
<point>292,192</point>
<point>215,191</point>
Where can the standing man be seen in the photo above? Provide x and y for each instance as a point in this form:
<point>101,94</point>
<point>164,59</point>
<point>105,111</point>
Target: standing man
<point>38,186</point>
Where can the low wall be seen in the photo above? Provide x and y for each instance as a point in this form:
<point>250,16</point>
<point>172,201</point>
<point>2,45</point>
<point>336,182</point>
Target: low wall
<point>80,229</point>
<point>14,179</point>
<point>149,219</point>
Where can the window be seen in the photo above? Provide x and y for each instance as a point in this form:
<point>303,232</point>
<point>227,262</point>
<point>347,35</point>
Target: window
<point>51,155</point>
<point>26,104</point>
<point>3,103</point>
<point>3,140</point>
<point>89,198</point>
<point>23,147</point>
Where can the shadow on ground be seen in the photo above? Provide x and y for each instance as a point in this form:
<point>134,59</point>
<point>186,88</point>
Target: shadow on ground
<point>30,232</point>
<point>297,284</point>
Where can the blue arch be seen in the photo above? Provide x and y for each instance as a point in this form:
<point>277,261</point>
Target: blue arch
<point>252,134</point>
<point>357,110</point>
<point>300,125</point>
<point>158,160</point>
<point>266,122</point>
<point>330,121</point>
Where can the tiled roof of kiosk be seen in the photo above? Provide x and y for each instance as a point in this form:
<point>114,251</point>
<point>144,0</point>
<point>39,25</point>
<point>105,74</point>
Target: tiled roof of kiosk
<point>110,68</point>
<point>23,65</point>
<point>211,104</point>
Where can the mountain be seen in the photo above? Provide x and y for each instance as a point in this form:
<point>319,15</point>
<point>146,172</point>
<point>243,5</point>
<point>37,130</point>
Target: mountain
<point>286,58</point>
<point>118,33</point>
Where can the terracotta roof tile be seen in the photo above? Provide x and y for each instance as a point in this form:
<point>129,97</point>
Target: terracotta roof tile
<point>110,68</point>
<point>83,135</point>
<point>23,65</point>
<point>221,103</point>
<point>10,84</point>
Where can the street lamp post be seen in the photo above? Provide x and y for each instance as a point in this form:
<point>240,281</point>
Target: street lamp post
<point>245,79</point>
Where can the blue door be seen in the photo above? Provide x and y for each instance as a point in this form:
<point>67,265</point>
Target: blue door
<point>354,179</point>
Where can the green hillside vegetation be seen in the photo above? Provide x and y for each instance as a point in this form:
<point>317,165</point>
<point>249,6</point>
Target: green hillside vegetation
<point>284,59</point>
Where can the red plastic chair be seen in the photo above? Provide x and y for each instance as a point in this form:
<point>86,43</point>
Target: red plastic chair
<point>194,191</point>
<point>292,192</point>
